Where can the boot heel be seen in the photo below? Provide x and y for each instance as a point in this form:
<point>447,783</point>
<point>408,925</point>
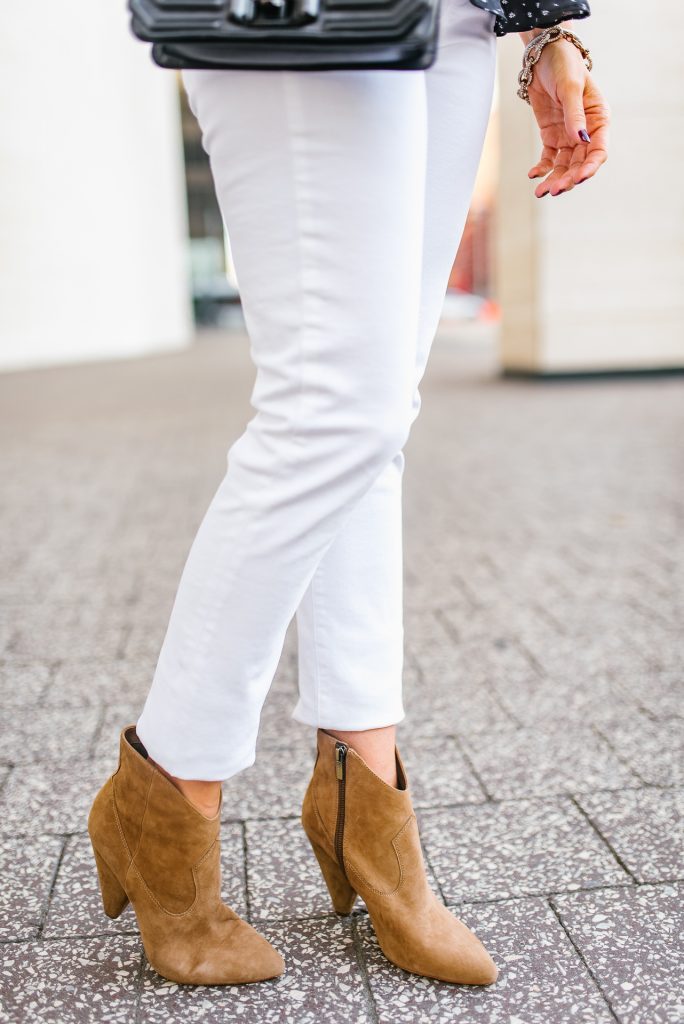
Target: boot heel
<point>114,896</point>
<point>343,896</point>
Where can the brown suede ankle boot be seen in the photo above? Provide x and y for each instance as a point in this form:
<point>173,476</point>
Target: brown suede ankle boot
<point>365,837</point>
<point>155,848</point>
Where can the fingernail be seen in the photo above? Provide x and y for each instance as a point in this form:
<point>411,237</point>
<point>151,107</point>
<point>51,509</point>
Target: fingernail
<point>583,135</point>
<point>559,192</point>
<point>581,180</point>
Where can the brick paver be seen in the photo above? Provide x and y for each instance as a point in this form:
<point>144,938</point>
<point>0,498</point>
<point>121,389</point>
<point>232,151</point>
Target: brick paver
<point>544,683</point>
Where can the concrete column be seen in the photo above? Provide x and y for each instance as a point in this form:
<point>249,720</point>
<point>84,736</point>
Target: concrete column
<point>93,225</point>
<point>594,279</point>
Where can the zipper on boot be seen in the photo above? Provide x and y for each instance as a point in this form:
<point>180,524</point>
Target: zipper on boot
<point>340,774</point>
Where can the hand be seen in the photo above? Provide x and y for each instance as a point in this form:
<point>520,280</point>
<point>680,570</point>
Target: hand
<point>567,105</point>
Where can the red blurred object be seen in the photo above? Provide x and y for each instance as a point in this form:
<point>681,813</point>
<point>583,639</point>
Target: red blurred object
<point>471,272</point>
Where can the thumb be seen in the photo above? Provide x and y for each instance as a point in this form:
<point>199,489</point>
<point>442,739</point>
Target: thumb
<point>573,113</point>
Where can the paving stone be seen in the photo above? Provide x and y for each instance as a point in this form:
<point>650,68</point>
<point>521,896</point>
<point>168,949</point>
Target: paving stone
<point>272,787</point>
<point>660,692</point>
<point>99,683</point>
<point>57,644</point>
<point>27,868</point>
<point>75,613</point>
<point>436,708</point>
<point>114,719</point>
<point>631,941</point>
<point>469,667</point>
<point>42,734</point>
<point>657,637</point>
<point>517,848</point>
<point>76,905</point>
<point>23,684</point>
<point>541,979</point>
<point>501,621</point>
<point>576,698</point>
<point>645,827</point>
<point>543,594</point>
<point>143,641</point>
<point>438,773</point>
<point>585,650</point>
<point>277,725</point>
<point>424,629</point>
<point>559,759</point>
<point>654,750</point>
<point>7,633</point>
<point>49,798</point>
<point>233,880</point>
<point>322,981</point>
<point>285,880</point>
<point>71,981</point>
<point>426,592</point>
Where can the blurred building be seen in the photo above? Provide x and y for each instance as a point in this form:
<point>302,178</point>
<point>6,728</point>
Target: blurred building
<point>93,224</point>
<point>593,280</point>
<point>214,282</point>
<point>110,230</point>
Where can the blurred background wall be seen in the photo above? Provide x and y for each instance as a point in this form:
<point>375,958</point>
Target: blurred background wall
<point>110,232</point>
<point>594,279</point>
<point>93,228</point>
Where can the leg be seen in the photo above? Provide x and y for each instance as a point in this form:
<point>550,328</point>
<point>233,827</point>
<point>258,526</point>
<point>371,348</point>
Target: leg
<point>320,177</point>
<point>350,620</point>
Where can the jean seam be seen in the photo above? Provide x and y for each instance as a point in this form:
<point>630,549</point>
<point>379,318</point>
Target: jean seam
<point>315,642</point>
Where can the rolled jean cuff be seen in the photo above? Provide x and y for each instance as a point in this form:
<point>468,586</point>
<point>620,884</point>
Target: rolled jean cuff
<point>356,719</point>
<point>165,745</point>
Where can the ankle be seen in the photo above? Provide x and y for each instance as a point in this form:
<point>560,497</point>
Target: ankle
<point>205,796</point>
<point>376,747</point>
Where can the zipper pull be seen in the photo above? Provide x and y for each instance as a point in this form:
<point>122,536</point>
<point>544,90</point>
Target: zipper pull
<point>340,754</point>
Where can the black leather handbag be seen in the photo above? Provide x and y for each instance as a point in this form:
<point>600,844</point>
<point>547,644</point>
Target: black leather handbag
<point>304,35</point>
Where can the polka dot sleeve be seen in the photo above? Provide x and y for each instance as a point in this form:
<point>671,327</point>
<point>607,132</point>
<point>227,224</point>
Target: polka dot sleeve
<point>520,15</point>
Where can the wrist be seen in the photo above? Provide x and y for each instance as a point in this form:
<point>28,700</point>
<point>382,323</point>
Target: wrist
<point>534,50</point>
<point>528,36</point>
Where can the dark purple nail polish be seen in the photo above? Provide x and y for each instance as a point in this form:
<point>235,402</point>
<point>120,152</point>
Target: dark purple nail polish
<point>559,192</point>
<point>583,135</point>
<point>581,180</point>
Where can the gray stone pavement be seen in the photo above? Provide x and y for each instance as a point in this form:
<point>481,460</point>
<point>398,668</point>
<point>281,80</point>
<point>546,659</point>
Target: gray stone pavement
<point>544,680</point>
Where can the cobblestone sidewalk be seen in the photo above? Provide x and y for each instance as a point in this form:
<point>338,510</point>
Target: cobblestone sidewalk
<point>544,662</point>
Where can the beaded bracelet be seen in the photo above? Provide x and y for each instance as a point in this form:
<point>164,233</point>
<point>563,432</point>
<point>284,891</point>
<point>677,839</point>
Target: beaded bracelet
<point>533,52</point>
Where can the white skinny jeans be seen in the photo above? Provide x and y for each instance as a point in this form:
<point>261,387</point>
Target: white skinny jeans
<point>345,194</point>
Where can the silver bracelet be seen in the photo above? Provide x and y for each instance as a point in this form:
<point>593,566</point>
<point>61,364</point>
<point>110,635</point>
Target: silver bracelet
<point>533,52</point>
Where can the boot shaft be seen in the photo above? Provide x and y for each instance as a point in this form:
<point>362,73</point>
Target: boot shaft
<point>141,817</point>
<point>368,826</point>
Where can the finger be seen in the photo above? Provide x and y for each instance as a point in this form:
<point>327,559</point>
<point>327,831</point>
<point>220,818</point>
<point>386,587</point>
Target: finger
<point>591,166</point>
<point>572,99</point>
<point>545,163</point>
<point>543,167</point>
<point>558,181</point>
<point>551,184</point>
<point>576,169</point>
<point>574,173</point>
<point>598,120</point>
<point>596,153</point>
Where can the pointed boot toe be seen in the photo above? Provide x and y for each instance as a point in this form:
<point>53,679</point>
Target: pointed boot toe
<point>154,848</point>
<point>483,970</point>
<point>365,836</point>
<point>265,961</point>
<point>437,944</point>
<point>463,960</point>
